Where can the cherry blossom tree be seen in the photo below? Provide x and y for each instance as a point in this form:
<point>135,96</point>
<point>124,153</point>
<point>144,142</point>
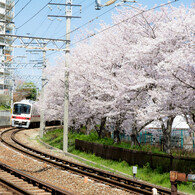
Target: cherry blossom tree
<point>139,70</point>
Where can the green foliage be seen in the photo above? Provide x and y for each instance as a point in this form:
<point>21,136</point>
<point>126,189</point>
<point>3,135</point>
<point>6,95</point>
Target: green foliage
<point>4,102</point>
<point>54,138</point>
<point>145,173</point>
<point>157,176</point>
<point>4,107</point>
<point>93,137</point>
<point>27,90</point>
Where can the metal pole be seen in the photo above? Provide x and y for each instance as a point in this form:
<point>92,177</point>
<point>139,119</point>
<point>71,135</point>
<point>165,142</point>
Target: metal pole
<point>42,117</point>
<point>66,93</point>
<point>12,90</point>
<point>173,188</point>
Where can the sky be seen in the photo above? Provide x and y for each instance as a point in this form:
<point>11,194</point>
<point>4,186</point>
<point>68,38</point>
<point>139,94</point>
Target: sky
<point>31,19</point>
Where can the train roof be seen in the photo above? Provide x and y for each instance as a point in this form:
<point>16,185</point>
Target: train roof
<point>25,102</point>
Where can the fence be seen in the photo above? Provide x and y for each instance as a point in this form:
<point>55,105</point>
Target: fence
<point>180,138</point>
<point>5,118</point>
<point>140,158</point>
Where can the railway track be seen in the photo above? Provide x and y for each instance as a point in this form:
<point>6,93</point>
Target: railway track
<point>13,181</point>
<point>17,182</point>
<point>124,183</point>
<point>5,126</point>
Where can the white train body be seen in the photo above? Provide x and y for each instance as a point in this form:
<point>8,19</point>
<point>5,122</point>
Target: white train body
<point>25,114</point>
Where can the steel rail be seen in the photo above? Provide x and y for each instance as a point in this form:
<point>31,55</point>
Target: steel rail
<point>32,180</point>
<point>106,177</point>
<point>36,182</point>
<point>12,187</point>
<point>5,126</point>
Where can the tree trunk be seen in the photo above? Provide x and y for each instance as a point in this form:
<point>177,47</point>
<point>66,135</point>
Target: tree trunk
<point>190,119</point>
<point>73,128</point>
<point>116,136</point>
<point>134,134</point>
<point>88,126</point>
<point>102,127</point>
<point>166,129</point>
<point>117,133</point>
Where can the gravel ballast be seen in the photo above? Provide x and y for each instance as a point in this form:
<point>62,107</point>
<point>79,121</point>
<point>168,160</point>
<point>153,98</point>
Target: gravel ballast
<point>63,179</point>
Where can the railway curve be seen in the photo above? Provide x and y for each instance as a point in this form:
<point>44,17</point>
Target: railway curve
<point>131,185</point>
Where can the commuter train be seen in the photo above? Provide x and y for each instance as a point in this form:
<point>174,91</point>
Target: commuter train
<point>25,114</point>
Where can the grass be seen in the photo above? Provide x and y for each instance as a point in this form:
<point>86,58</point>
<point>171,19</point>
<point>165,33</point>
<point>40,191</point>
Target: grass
<point>3,107</point>
<point>55,138</point>
<point>93,137</point>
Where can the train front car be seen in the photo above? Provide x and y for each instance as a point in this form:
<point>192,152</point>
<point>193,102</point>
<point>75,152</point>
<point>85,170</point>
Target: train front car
<point>21,116</point>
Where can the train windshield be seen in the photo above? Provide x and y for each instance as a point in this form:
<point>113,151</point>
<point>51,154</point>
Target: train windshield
<point>21,109</point>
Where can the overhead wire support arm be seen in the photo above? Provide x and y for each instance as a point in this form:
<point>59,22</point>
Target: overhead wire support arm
<point>64,16</point>
<point>65,4</point>
<point>42,43</point>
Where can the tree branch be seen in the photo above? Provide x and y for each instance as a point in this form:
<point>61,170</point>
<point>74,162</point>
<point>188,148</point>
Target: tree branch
<point>190,86</point>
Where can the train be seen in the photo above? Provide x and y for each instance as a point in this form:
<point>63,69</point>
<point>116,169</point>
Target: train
<point>25,114</point>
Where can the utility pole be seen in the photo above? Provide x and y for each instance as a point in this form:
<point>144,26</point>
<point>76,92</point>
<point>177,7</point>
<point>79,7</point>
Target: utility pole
<point>66,76</point>
<point>68,15</point>
<point>42,117</point>
<point>12,90</point>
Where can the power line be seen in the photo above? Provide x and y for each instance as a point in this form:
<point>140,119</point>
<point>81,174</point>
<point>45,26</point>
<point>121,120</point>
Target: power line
<point>34,15</point>
<point>91,20</point>
<point>86,7</point>
<point>40,25</point>
<point>19,12</point>
<point>51,23</point>
<point>144,11</point>
<point>22,9</point>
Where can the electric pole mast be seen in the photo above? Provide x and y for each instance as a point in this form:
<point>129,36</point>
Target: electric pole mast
<point>66,78</point>
<point>42,117</point>
<point>68,15</point>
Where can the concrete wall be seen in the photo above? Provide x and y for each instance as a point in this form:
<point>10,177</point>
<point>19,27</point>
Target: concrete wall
<point>5,118</point>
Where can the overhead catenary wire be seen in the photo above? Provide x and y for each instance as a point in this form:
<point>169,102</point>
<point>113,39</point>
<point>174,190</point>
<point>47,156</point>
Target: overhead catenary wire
<point>97,17</point>
<point>41,24</point>
<point>90,21</point>
<point>22,8</point>
<point>143,11</point>
<point>51,23</point>
<point>19,12</point>
<point>83,26</point>
<point>85,8</point>
<point>43,21</point>
<point>34,15</point>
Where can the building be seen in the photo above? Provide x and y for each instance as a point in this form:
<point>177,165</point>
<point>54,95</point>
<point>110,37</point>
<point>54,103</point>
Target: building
<point>6,27</point>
